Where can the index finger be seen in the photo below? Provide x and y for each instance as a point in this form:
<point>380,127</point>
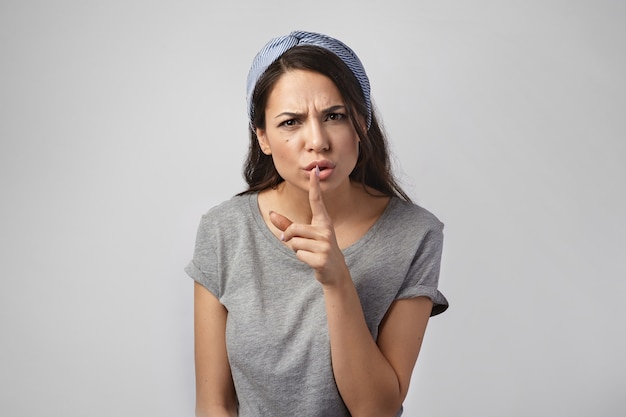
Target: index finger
<point>315,194</point>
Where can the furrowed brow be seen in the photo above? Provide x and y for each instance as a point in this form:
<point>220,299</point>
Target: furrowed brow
<point>289,114</point>
<point>295,115</point>
<point>334,109</point>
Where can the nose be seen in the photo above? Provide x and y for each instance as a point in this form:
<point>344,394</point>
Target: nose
<point>316,137</point>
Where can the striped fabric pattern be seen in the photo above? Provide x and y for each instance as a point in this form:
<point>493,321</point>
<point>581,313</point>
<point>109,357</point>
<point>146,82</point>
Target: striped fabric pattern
<point>278,46</point>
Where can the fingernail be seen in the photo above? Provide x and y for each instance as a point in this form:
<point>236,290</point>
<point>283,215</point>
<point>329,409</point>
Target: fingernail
<point>317,171</point>
<point>282,237</point>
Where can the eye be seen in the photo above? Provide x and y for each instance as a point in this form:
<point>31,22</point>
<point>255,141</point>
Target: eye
<point>335,116</point>
<point>288,123</point>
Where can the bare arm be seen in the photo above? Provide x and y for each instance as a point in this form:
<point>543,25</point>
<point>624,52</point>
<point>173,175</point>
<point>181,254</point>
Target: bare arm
<point>372,378</point>
<point>215,392</point>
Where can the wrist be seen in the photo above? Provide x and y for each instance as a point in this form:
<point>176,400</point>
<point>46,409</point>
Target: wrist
<point>341,284</point>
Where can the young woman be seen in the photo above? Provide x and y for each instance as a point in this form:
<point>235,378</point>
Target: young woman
<point>314,286</point>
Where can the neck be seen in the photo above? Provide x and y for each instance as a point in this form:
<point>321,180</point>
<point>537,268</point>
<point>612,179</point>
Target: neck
<point>339,202</point>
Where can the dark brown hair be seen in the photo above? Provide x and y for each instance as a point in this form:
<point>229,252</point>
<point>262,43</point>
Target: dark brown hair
<point>373,168</point>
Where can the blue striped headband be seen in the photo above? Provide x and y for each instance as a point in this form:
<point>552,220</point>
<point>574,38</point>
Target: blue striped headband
<point>278,46</point>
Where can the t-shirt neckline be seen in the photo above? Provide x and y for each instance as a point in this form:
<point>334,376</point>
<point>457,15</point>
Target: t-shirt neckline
<point>362,241</point>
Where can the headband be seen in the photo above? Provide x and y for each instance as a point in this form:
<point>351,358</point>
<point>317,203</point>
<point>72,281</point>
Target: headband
<point>278,46</point>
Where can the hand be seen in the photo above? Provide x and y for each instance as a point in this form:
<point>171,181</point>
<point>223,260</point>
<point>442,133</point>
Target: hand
<point>315,244</point>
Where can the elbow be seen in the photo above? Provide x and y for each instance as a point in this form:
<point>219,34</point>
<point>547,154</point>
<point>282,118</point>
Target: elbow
<point>376,413</point>
<point>216,411</point>
<point>388,409</point>
<point>384,400</point>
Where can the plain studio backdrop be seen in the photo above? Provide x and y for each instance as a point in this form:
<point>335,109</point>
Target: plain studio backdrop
<point>121,122</point>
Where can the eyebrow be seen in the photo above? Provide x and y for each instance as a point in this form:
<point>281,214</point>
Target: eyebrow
<point>331,109</point>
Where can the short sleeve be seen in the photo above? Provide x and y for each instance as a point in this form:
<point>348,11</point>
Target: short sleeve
<point>203,266</point>
<point>423,276</point>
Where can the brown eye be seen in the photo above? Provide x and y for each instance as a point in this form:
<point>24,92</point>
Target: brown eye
<point>288,123</point>
<point>335,116</point>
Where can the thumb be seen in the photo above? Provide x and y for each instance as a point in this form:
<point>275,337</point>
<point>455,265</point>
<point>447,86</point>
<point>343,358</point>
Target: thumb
<point>280,221</point>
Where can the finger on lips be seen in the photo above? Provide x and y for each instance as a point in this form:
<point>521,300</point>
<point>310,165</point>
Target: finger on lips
<point>315,193</point>
<point>315,199</point>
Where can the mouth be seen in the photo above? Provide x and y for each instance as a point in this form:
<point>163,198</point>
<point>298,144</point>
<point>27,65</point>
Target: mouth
<point>326,168</point>
<point>322,164</point>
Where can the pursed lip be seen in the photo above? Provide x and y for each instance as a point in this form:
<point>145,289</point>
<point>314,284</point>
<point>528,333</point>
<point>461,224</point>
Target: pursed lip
<point>323,164</point>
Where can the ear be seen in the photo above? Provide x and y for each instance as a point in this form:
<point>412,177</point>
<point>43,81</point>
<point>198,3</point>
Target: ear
<point>264,144</point>
<point>363,124</point>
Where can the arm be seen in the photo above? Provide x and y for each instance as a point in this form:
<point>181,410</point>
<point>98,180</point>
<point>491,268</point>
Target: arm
<point>215,392</point>
<point>373,379</point>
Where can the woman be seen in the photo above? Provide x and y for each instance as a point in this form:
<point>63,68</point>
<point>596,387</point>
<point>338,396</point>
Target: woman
<point>314,286</point>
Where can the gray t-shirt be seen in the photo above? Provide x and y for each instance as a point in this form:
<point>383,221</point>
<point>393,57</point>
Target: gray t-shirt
<point>276,331</point>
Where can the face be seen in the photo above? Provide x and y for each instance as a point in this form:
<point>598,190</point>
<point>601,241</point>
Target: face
<point>306,124</point>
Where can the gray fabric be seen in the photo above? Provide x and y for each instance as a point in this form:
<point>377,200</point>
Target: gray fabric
<point>277,335</point>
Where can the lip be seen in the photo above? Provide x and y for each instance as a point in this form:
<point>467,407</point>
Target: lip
<point>326,168</point>
<point>322,163</point>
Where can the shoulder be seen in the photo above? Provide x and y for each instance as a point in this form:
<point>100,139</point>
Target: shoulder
<point>406,226</point>
<point>229,209</point>
<point>404,214</point>
<point>229,214</point>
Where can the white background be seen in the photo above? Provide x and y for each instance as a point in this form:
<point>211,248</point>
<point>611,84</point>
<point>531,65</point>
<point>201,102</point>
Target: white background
<point>121,122</point>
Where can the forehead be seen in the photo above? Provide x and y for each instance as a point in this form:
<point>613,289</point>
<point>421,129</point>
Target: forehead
<point>304,88</point>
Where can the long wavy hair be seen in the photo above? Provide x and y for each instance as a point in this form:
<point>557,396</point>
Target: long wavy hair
<point>373,167</point>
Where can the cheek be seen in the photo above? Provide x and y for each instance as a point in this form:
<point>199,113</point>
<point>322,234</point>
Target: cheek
<point>353,145</point>
<point>282,149</point>
<point>283,157</point>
